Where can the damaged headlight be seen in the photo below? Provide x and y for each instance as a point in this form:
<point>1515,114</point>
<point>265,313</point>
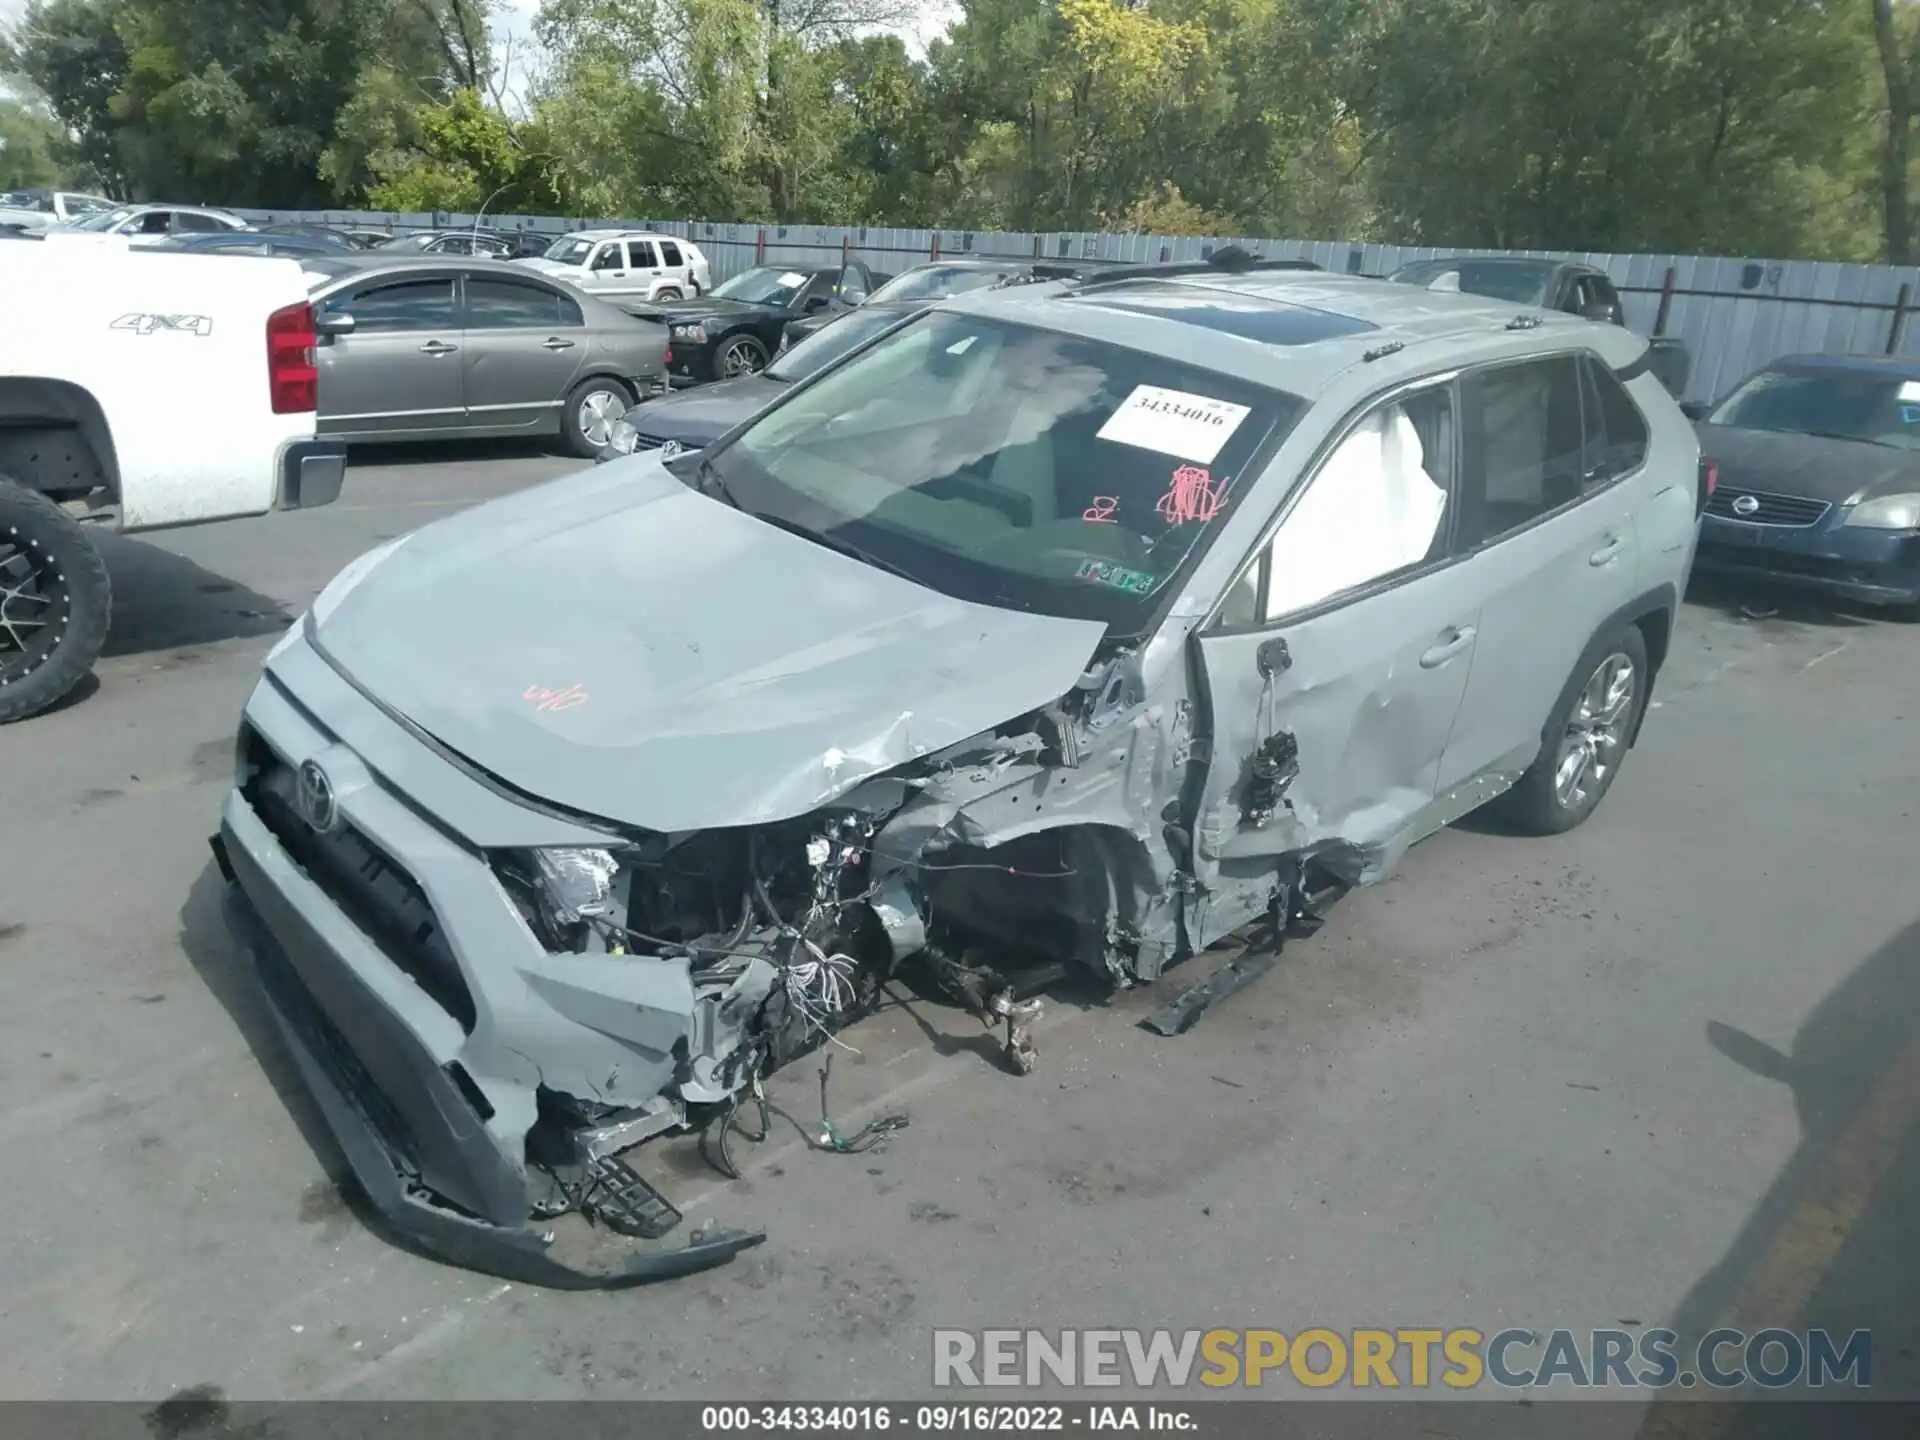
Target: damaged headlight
<point>573,884</point>
<point>692,334</point>
<point>622,439</point>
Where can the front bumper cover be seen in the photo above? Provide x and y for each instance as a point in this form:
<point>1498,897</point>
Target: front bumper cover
<point>1877,566</point>
<point>340,1088</point>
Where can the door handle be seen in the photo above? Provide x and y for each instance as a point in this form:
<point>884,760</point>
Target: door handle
<point>556,343</point>
<point>1609,548</point>
<point>1452,642</point>
<point>437,347</point>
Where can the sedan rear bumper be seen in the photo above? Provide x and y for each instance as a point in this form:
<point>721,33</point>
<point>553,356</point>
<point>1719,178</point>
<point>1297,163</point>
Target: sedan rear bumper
<point>1876,566</point>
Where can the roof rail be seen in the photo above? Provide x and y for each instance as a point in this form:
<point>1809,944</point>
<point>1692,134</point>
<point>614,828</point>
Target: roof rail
<point>1229,260</point>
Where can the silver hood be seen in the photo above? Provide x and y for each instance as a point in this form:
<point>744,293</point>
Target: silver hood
<point>620,645</point>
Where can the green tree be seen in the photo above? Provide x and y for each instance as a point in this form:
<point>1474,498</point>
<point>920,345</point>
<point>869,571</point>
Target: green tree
<point>30,146</point>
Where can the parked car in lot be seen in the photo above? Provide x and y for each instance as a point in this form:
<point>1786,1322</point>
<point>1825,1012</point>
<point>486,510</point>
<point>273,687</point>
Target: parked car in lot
<point>1060,625</point>
<point>137,392</point>
<point>927,284</point>
<point>148,224</point>
<point>735,330</point>
<point>493,244</point>
<point>362,237</point>
<point>690,419</point>
<point>626,265</point>
<point>29,210</point>
<point>442,347</point>
<point>1564,285</point>
<point>253,242</point>
<point>1818,461</point>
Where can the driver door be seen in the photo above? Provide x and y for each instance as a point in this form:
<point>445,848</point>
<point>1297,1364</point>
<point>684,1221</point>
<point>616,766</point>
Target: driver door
<point>1341,654</point>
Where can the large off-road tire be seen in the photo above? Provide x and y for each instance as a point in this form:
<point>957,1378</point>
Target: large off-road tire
<point>55,602</point>
<point>592,405</point>
<point>1587,738</point>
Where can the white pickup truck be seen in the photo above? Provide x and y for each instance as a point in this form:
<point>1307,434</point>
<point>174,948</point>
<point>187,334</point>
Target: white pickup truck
<point>137,390</point>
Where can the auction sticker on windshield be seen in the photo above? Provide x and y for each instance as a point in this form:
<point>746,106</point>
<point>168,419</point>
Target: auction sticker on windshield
<point>793,277</point>
<point>1188,427</point>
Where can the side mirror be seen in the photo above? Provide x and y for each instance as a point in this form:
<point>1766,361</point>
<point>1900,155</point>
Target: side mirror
<point>336,324</point>
<point>815,303</point>
<point>1601,311</point>
<point>1695,409</point>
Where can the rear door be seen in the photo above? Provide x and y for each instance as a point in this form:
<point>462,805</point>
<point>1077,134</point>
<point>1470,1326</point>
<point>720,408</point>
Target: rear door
<point>675,269</point>
<point>1335,666</point>
<point>1548,518</point>
<point>521,346</point>
<point>643,267</point>
<point>398,373</point>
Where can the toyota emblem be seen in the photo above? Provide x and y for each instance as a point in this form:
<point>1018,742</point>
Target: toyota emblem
<point>670,449</point>
<point>313,797</point>
<point>1745,504</point>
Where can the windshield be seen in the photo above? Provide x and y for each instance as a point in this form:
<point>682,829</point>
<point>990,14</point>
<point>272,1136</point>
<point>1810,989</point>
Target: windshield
<point>1011,466</point>
<point>936,282</point>
<point>1878,409</point>
<point>830,342</point>
<point>105,220</point>
<point>569,250</point>
<point>86,204</point>
<point>1522,283</point>
<point>763,285</point>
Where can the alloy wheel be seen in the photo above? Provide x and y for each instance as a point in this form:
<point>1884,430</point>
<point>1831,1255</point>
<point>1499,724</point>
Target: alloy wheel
<point>1596,733</point>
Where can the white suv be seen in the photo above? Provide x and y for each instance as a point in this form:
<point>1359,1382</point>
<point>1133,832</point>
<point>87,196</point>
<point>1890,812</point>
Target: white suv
<point>627,264</point>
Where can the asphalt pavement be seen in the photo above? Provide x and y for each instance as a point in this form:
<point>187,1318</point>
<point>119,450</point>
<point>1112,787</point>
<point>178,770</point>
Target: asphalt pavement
<point>1661,1070</point>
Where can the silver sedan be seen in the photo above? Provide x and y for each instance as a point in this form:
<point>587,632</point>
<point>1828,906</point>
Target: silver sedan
<point>446,347</point>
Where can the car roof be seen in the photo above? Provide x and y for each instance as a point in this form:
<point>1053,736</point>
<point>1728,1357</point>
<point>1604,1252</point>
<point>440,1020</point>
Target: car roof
<point>614,235</point>
<point>1889,367</point>
<point>337,265</point>
<point>1297,330</point>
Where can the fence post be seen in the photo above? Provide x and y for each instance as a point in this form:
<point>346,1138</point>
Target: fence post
<point>760,247</point>
<point>1666,302</point>
<point>1899,319</point>
<point>934,253</point>
<point>846,248</point>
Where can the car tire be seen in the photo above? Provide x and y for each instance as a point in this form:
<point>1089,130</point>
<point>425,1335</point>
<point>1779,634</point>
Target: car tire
<point>50,567</point>
<point>1597,715</point>
<point>592,401</point>
<point>738,355</point>
<point>665,293</point>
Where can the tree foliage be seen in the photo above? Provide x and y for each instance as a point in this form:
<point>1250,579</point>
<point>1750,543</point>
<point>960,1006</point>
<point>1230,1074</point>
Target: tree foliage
<point>1774,127</point>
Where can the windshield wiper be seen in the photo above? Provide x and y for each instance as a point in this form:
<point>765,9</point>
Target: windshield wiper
<point>1856,439</point>
<point>834,542</point>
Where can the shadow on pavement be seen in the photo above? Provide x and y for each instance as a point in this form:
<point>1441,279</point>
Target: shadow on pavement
<point>1749,600</point>
<point>1833,1245</point>
<point>440,452</point>
<point>164,601</point>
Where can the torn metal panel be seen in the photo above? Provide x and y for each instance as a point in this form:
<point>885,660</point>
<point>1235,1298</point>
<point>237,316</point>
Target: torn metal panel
<point>741,708</point>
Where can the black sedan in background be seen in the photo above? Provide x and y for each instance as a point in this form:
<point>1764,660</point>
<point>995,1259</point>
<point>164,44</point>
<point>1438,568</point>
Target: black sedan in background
<point>734,330</point>
<point>1818,460</point>
<point>694,419</point>
<point>923,285</point>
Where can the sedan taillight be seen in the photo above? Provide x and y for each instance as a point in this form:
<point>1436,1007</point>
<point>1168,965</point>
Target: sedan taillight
<point>293,375</point>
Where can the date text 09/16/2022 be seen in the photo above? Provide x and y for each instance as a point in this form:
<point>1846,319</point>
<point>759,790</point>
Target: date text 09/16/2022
<point>945,1419</point>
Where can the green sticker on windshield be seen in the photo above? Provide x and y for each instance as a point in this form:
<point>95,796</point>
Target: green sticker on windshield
<point>1134,582</point>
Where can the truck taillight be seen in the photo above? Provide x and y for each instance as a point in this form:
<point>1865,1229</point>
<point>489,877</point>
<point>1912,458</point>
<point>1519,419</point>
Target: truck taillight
<point>293,375</point>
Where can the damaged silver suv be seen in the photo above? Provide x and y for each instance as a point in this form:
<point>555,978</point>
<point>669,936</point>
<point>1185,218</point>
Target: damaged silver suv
<point>1079,624</point>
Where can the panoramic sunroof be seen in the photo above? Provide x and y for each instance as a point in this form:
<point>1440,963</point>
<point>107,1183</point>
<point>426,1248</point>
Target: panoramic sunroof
<point>1253,317</point>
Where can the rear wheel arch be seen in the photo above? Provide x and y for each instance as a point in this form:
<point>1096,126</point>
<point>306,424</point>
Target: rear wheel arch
<point>54,438</point>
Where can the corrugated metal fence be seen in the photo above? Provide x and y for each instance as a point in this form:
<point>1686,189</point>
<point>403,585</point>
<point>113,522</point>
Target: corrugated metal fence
<point>1734,315</point>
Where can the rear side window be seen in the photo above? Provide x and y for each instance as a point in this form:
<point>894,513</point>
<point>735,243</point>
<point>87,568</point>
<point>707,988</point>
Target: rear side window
<point>1616,431</point>
<point>670,253</point>
<point>508,305</point>
<point>408,305</point>
<point>1523,445</point>
<point>186,222</point>
<point>643,255</point>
